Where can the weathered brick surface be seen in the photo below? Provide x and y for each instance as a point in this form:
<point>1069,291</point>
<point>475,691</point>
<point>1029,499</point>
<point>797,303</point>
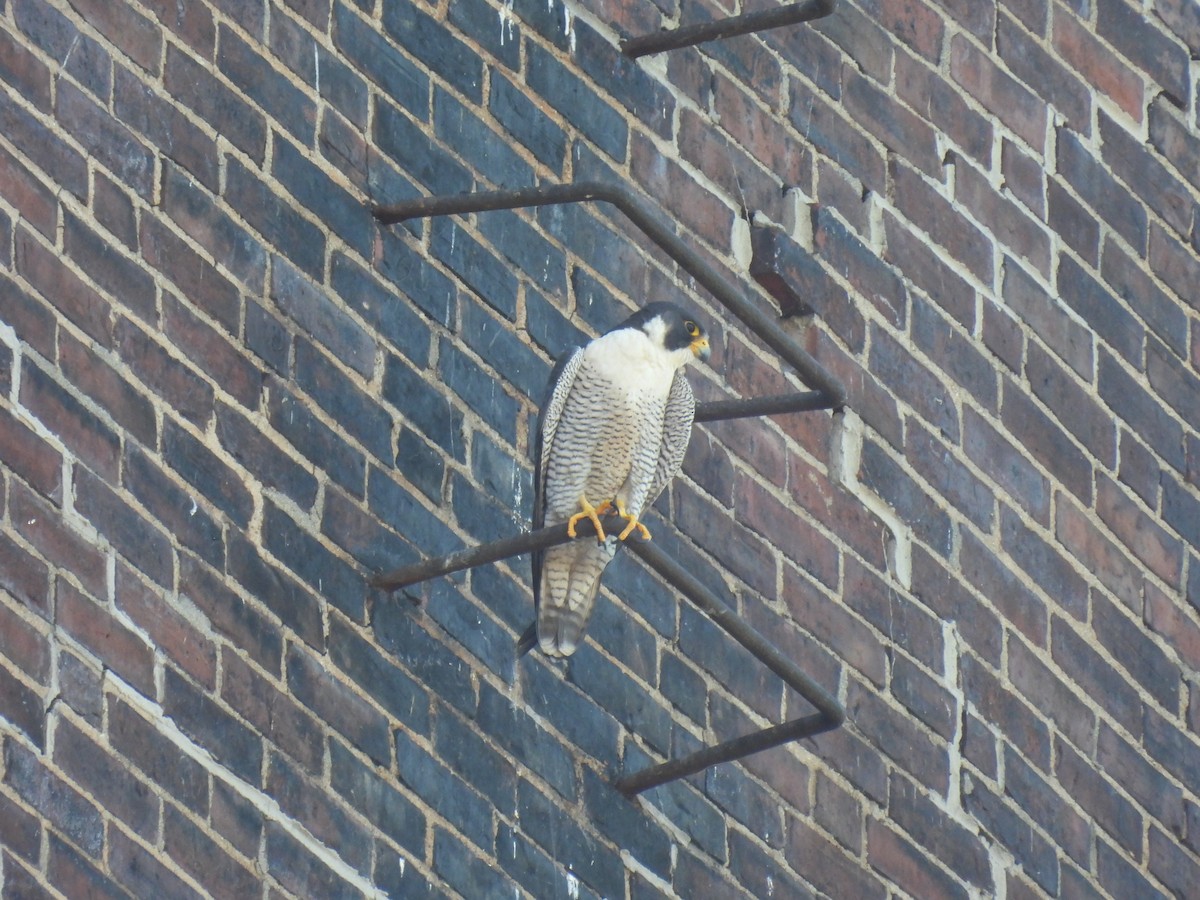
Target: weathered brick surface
<point>228,397</point>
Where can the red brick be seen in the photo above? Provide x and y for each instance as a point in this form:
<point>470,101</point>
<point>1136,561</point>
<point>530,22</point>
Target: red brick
<point>81,430</point>
<point>24,707</point>
<point>1138,531</point>
<point>230,615</point>
<point>756,130</point>
<point>95,377</point>
<point>985,572</point>
<point>76,301</point>
<point>894,126</point>
<point>168,628</point>
<point>25,71</point>
<point>839,812</point>
<point>1082,50</point>
<point>799,540</point>
<point>925,207</point>
<point>30,456</point>
<point>1082,664</point>
<point>1076,530</point>
<point>1018,231</point>
<point>114,209</point>
<point>143,873</point>
<point>24,190</point>
<point>120,649</point>
<point>823,864</point>
<point>948,597</point>
<point>1011,102</point>
<point>1005,710</point>
<point>1139,39</point>
<point>24,576</point>
<point>834,136</point>
<point>898,737</point>
<point>24,643</point>
<point>900,862</point>
<point>697,208</point>
<point>194,276</point>
<point>861,38</point>
<point>835,626</point>
<point>184,779</point>
<point>1048,693</point>
<point>1055,83</point>
<point>1024,176</point>
<point>41,526</point>
<point>187,844</point>
<point>185,392</point>
<point>838,511</point>
<point>1136,652</point>
<point>122,278</point>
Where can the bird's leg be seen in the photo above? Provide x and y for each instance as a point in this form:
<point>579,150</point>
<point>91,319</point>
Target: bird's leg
<point>588,512</point>
<point>633,523</point>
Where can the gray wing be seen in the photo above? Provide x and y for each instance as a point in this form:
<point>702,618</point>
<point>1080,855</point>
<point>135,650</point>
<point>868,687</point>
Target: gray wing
<point>559,387</point>
<point>677,431</point>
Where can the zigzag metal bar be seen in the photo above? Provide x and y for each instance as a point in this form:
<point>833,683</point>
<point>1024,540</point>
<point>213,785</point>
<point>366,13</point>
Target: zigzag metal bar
<point>688,35</point>
<point>829,394</point>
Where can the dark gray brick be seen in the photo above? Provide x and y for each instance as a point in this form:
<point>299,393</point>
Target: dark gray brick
<point>206,472</point>
<point>374,797</point>
<point>65,808</point>
<point>342,212</point>
<point>320,812</point>
<point>232,744</point>
<point>316,441</point>
<point>197,88</point>
<point>430,661</point>
<point>298,608</point>
<point>301,873</point>
<point>387,684</point>
<point>290,233</point>
<point>310,307</point>
<point>330,576</point>
<point>269,89</point>
<point>258,455</point>
<point>426,776</point>
<point>387,312</point>
<point>322,70</point>
<point>105,139</point>
<point>523,120</point>
<point>432,43</point>
<point>174,506</point>
<point>424,407</point>
<point>416,279</point>
<point>580,852</point>
<point>409,144</point>
<point>467,873</point>
<point>400,78</point>
<point>268,338</point>
<point>579,102</point>
<point>477,20</point>
<point>483,149</point>
<point>489,277</point>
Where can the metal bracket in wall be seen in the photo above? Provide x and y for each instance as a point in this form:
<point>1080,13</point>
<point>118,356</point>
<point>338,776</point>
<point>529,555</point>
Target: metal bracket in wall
<point>828,394</point>
<point>687,35</point>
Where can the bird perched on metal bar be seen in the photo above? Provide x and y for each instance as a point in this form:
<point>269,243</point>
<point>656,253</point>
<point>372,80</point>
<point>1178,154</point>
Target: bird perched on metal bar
<point>612,434</point>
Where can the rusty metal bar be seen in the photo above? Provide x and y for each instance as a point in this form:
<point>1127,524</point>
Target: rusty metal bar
<point>653,226</point>
<point>688,35</point>
<point>829,715</point>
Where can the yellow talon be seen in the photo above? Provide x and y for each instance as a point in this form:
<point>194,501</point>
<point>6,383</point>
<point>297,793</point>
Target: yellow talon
<point>633,523</point>
<point>589,512</point>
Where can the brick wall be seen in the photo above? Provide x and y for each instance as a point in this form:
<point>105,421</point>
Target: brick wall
<point>227,397</point>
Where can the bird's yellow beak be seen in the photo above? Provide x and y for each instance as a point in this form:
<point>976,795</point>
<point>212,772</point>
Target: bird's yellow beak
<point>700,347</point>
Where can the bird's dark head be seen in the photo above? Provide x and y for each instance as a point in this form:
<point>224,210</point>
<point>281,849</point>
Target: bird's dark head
<point>670,327</point>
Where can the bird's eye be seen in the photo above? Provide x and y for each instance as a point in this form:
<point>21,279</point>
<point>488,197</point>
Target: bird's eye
<point>691,328</point>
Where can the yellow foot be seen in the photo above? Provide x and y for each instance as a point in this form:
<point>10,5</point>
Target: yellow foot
<point>588,512</point>
<point>633,523</point>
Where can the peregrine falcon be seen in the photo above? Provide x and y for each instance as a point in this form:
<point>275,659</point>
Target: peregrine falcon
<point>611,435</point>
